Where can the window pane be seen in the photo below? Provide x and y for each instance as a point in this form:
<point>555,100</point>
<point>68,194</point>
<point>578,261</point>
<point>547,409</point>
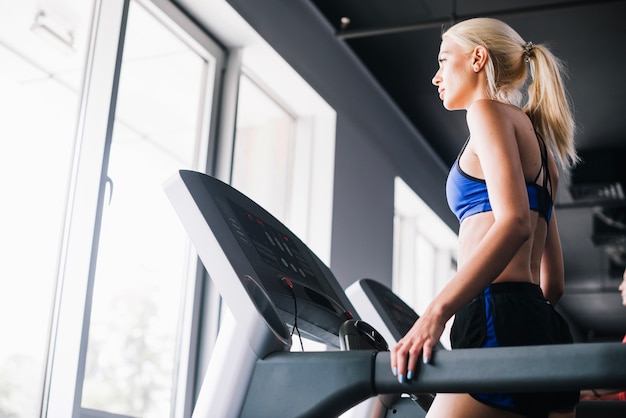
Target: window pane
<point>143,260</point>
<point>263,149</point>
<point>40,77</point>
<point>424,251</point>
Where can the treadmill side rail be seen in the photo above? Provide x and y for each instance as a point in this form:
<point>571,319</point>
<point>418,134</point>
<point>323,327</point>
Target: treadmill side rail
<point>512,369</point>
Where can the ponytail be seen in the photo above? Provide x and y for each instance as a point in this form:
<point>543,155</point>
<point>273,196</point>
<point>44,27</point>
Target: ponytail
<point>547,104</point>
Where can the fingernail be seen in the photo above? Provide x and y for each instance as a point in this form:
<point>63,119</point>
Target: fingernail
<point>426,359</point>
<point>409,375</point>
<point>395,371</point>
<point>401,378</point>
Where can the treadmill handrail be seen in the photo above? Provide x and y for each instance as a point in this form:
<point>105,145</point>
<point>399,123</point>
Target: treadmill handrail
<point>538,368</point>
<point>312,384</point>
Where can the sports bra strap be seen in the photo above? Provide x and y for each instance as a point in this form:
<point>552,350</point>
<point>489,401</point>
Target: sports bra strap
<point>544,165</point>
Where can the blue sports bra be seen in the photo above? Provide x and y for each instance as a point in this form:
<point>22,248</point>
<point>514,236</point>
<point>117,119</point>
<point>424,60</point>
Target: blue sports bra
<point>468,195</point>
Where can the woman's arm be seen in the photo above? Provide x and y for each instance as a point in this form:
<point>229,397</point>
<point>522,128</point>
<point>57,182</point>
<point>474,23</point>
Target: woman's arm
<point>552,270</point>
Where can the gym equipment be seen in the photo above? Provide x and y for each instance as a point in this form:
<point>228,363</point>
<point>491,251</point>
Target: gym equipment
<point>271,281</point>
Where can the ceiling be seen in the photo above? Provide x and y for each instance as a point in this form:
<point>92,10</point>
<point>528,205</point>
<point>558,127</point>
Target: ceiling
<point>398,42</point>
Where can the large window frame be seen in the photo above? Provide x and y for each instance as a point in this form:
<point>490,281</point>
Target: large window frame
<point>88,191</point>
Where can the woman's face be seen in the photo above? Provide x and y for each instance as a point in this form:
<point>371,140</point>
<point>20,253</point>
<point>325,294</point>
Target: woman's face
<point>454,77</point>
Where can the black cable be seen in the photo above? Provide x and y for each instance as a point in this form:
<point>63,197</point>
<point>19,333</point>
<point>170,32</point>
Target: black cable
<point>295,318</point>
<point>289,286</point>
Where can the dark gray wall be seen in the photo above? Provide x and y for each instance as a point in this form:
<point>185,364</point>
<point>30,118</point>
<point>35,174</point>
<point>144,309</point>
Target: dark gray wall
<point>363,209</point>
<point>374,141</point>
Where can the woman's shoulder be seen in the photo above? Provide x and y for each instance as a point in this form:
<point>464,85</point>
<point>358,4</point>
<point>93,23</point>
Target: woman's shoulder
<point>490,116</point>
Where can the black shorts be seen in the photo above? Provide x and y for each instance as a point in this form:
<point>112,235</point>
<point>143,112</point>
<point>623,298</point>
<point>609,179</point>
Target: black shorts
<point>514,314</point>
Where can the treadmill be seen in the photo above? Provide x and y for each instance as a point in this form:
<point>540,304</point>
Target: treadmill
<point>274,285</point>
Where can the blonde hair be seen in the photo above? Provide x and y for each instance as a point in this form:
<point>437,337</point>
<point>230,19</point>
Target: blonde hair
<point>507,73</point>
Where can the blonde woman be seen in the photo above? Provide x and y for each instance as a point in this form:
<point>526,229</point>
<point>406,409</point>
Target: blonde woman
<point>501,187</point>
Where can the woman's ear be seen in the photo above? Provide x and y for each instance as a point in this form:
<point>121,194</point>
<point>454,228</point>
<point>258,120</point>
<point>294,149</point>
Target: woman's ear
<point>479,58</point>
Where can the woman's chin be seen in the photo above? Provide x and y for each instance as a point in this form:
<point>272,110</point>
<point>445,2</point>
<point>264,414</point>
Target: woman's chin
<point>450,106</point>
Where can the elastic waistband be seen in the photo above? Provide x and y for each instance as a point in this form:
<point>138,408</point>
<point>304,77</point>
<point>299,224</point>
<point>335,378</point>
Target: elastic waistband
<point>516,287</point>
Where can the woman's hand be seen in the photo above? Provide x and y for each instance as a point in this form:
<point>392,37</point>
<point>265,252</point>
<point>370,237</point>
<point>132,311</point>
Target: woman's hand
<point>421,338</point>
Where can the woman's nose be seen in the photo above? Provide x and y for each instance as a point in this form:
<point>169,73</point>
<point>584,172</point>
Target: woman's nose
<point>436,78</point>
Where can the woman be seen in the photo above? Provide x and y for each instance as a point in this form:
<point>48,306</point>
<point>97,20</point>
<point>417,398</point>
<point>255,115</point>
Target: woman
<point>510,265</point>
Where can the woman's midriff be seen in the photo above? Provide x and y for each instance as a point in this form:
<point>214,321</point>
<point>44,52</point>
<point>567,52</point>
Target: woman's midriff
<point>473,230</point>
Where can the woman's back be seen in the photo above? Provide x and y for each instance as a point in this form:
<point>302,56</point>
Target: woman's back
<point>474,228</point>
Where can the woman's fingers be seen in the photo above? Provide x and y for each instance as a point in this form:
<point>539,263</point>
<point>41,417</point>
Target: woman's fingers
<point>427,354</point>
<point>414,353</point>
<point>416,345</point>
<point>404,358</point>
<point>398,361</point>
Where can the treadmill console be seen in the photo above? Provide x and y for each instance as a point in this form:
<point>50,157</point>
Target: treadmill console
<point>265,255</point>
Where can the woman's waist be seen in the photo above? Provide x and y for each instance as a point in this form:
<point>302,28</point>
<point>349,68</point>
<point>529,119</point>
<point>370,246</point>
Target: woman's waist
<point>522,287</point>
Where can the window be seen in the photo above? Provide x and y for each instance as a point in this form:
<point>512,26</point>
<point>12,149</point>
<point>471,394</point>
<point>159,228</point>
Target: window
<point>264,149</point>
<point>284,146</point>
<point>144,263</point>
<point>43,46</point>
<point>85,219</point>
<point>424,250</point>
